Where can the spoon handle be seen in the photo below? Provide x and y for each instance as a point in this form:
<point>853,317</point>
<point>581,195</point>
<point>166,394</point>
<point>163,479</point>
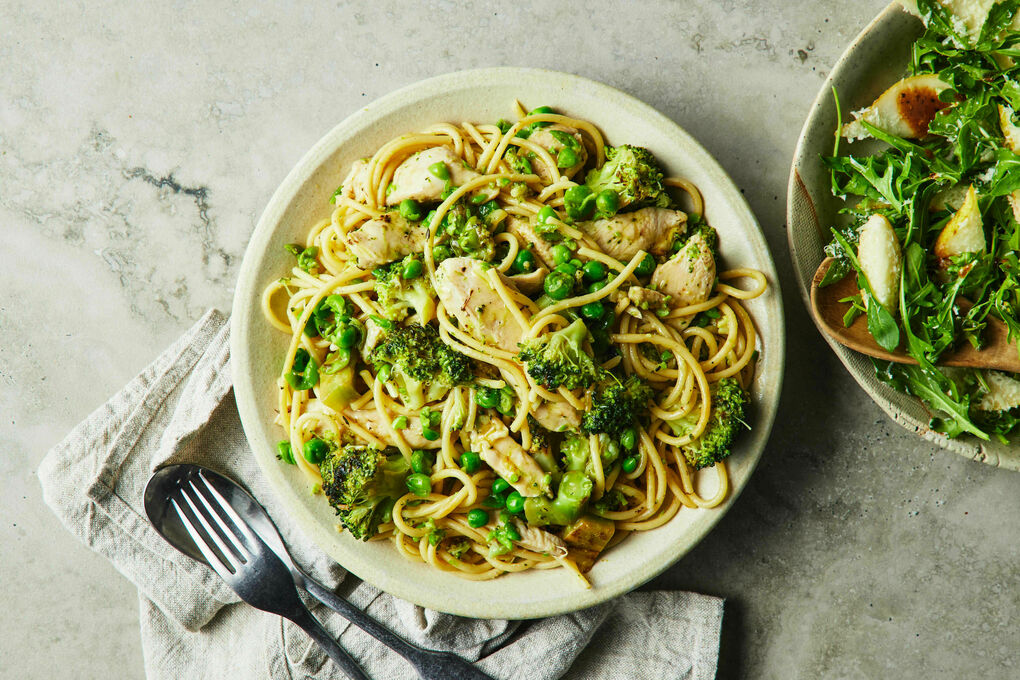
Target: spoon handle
<point>430,665</point>
<point>345,661</point>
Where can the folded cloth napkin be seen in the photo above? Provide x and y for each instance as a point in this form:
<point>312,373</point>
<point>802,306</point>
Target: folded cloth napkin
<point>181,409</point>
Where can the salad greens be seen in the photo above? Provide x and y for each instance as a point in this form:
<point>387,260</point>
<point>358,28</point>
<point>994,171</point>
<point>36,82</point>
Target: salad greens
<point>944,301</point>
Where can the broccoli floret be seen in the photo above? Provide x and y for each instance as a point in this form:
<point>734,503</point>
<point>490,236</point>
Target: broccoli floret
<point>420,364</point>
<point>695,227</point>
<point>361,483</point>
<point>574,490</point>
<point>729,408</point>
<point>465,233</point>
<point>559,359</point>
<point>633,174</point>
<point>616,405</point>
<point>613,500</point>
<point>398,296</point>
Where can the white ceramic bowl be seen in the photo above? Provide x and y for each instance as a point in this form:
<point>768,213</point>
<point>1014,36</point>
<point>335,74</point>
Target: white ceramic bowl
<point>875,60</point>
<point>303,198</point>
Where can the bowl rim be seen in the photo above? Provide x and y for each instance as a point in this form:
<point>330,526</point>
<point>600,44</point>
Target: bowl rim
<point>248,289</point>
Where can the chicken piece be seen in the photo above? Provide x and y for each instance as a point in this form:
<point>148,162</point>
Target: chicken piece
<point>385,239</point>
<point>540,541</point>
<point>553,138</point>
<point>530,283</point>
<point>557,416</point>
<point>645,298</point>
<point>413,179</point>
<point>625,234</point>
<point>369,419</point>
<point>529,238</point>
<point>467,294</point>
<point>586,538</point>
<point>510,461</point>
<point>356,185</point>
<point>689,276</point>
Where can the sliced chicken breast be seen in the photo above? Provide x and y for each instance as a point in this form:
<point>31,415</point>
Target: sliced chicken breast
<point>355,186</point>
<point>369,420</point>
<point>496,447</point>
<point>467,294</point>
<point>413,179</point>
<point>540,541</point>
<point>557,416</point>
<point>385,239</point>
<point>624,235</point>
<point>689,276</point>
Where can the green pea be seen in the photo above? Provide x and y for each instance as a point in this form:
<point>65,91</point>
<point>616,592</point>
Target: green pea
<point>593,310</point>
<point>558,285</point>
<point>576,263</point>
<point>412,269</point>
<point>630,463</point>
<point>447,192</point>
<point>567,158</point>
<point>561,254</point>
<point>524,262</point>
<point>628,438</point>
<point>515,502</point>
<point>613,450</point>
<point>286,453</point>
<point>471,462</point>
<point>506,402</point>
<point>440,253</point>
<point>350,336</point>
<point>596,286</point>
<point>430,434</point>
<point>337,361</point>
<point>477,518</point>
<point>400,423</point>
<point>540,109</point>
<point>646,266</point>
<point>578,201</point>
<point>494,502</point>
<point>410,209</point>
<point>607,202</point>
<point>594,270</point>
<point>315,450</point>
<point>512,533</point>
<point>439,170</point>
<point>546,214</point>
<point>487,397</point>
<point>499,486</point>
<point>421,462</point>
<point>419,484</point>
<point>567,269</point>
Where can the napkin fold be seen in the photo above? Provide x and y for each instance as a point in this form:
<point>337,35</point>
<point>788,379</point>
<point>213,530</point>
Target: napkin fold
<point>181,409</point>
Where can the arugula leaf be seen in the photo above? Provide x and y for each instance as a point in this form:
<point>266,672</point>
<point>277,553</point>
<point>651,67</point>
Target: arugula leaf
<point>1000,16</point>
<point>881,323</point>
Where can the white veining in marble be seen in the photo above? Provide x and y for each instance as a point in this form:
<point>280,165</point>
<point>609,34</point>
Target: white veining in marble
<point>139,144</point>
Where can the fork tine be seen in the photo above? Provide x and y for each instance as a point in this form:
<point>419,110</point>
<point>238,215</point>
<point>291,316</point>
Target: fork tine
<point>210,555</point>
<point>226,529</point>
<point>229,510</point>
<point>229,559</point>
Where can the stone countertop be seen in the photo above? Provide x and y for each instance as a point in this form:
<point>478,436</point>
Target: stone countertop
<point>139,145</point>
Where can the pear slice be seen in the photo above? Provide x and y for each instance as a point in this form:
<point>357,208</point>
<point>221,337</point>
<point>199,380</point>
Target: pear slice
<point>878,251</point>
<point>965,232</point>
<point>905,109</point>
<point>1011,135</point>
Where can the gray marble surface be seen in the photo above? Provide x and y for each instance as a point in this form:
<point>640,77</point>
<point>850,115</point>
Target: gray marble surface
<point>138,145</point>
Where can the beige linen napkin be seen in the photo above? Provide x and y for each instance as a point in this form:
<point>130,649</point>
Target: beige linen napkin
<point>181,409</point>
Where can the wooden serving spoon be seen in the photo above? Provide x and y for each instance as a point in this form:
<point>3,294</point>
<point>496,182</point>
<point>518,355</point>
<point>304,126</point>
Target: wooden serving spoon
<point>999,353</point>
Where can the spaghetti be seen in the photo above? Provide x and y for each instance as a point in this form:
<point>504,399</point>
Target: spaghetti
<point>505,470</point>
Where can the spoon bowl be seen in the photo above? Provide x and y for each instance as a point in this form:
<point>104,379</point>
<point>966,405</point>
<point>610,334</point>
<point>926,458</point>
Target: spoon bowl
<point>999,353</point>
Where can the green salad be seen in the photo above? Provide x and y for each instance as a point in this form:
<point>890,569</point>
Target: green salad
<point>933,203</point>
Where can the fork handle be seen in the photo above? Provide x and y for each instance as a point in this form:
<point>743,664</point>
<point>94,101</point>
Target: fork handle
<point>430,665</point>
<point>338,654</point>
